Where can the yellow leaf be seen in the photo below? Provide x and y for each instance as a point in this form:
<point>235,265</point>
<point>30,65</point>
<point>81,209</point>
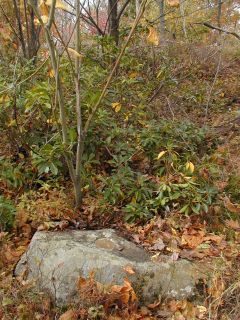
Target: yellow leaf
<point>12,123</point>
<point>51,73</point>
<point>161,154</point>
<point>4,98</point>
<point>43,8</point>
<point>153,36</point>
<point>133,75</point>
<point>173,3</point>
<point>44,19</point>
<point>190,166</point>
<point>59,4</point>
<point>74,53</point>
<point>116,106</point>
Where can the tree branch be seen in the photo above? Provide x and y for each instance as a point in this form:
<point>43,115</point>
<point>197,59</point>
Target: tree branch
<point>104,91</point>
<point>208,25</point>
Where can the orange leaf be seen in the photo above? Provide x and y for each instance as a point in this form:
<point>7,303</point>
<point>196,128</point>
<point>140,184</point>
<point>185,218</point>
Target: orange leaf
<point>233,224</point>
<point>214,238</point>
<point>173,3</point>
<point>234,208</point>
<point>153,36</point>
<point>69,315</point>
<point>129,270</point>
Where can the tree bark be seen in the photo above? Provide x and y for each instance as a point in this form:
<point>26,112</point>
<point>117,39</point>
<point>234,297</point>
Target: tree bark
<point>20,30</point>
<point>113,25</point>
<point>219,13</point>
<point>162,25</point>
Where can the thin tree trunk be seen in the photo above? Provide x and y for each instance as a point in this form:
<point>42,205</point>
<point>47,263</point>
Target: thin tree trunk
<point>34,34</point>
<point>20,30</point>
<point>182,11</point>
<point>80,142</point>
<point>113,25</point>
<point>219,13</point>
<point>162,20</point>
<point>138,5</point>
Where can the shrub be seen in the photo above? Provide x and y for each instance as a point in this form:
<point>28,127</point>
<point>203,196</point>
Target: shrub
<point>7,214</point>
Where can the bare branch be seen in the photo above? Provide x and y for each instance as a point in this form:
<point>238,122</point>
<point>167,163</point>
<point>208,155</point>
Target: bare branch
<point>208,25</point>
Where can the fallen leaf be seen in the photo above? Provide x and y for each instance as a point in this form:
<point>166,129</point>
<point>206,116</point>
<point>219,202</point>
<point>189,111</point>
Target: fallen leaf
<point>69,315</point>
<point>234,224</point>
<point>234,208</point>
<point>213,238</point>
<point>129,270</point>
<point>192,240</point>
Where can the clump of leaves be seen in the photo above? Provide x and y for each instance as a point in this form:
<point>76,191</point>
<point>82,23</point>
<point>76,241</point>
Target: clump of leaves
<point>7,213</point>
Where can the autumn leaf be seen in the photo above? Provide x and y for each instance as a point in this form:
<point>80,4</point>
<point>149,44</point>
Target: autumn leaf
<point>192,240</point>
<point>51,73</point>
<point>190,166</point>
<point>74,53</point>
<point>125,293</point>
<point>59,4</point>
<point>162,153</point>
<point>44,19</point>
<point>214,238</point>
<point>233,224</point>
<point>69,315</point>
<point>234,208</point>
<point>116,106</point>
<point>173,3</point>
<point>153,36</point>
<point>129,270</point>
<point>4,98</point>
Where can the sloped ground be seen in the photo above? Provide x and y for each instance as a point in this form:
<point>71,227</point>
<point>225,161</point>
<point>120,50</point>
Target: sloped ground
<point>200,85</point>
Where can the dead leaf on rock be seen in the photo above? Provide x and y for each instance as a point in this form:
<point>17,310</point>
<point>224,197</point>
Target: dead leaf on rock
<point>129,270</point>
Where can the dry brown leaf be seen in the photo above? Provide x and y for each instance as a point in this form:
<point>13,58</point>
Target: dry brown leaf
<point>234,208</point>
<point>214,238</point>
<point>69,315</point>
<point>217,287</point>
<point>192,240</point>
<point>173,3</point>
<point>129,270</point>
<point>153,38</point>
<point>153,305</point>
<point>233,224</point>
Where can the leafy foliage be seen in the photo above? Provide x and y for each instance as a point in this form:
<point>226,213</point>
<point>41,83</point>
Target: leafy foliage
<point>7,214</point>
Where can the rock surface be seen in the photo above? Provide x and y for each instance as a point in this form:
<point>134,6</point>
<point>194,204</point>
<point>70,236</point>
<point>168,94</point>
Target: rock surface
<point>56,260</point>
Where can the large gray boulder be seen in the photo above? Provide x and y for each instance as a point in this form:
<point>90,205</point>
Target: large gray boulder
<point>56,260</point>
